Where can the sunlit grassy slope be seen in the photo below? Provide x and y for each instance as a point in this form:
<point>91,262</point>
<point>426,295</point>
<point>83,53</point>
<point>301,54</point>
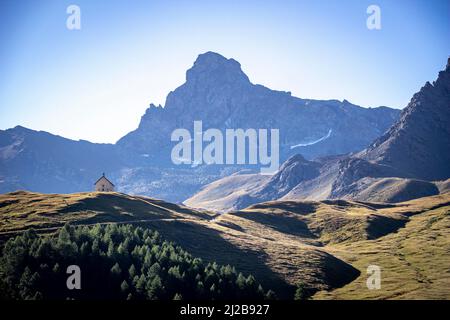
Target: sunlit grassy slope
<point>326,245</point>
<point>414,262</point>
<point>23,209</point>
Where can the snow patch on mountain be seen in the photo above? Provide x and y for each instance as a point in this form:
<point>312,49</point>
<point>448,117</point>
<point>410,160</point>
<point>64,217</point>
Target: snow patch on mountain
<point>313,142</point>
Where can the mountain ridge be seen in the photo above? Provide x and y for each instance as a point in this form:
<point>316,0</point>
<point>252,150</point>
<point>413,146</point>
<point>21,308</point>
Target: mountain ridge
<point>408,161</point>
<point>216,92</point>
<point>425,118</point>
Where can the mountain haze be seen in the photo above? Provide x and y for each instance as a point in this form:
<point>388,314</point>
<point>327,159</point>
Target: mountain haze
<point>218,93</point>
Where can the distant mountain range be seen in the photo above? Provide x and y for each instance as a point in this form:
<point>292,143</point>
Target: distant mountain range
<point>411,160</point>
<point>218,93</point>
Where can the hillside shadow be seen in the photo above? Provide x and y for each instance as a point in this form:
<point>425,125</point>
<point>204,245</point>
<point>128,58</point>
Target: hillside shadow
<point>291,206</point>
<point>279,222</point>
<point>117,207</point>
<point>379,205</point>
<point>209,245</point>
<point>380,226</point>
<point>338,273</point>
<point>8,202</point>
<point>121,208</point>
<point>230,225</point>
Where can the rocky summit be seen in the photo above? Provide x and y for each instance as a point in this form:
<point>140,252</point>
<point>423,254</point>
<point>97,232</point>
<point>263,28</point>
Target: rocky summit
<point>218,93</point>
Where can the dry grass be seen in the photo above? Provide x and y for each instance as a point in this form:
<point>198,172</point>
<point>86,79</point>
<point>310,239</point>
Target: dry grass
<point>414,262</point>
<point>20,210</point>
<point>327,245</point>
<point>410,241</point>
<point>325,222</point>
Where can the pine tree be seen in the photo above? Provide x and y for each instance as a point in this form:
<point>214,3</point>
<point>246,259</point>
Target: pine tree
<point>56,268</point>
<point>115,270</point>
<point>140,284</point>
<point>270,295</point>
<point>132,271</point>
<point>240,281</point>
<point>300,292</point>
<point>177,296</point>
<point>64,235</point>
<point>110,252</point>
<point>95,247</point>
<point>154,270</point>
<point>124,287</point>
<point>84,250</point>
<point>213,289</point>
<point>155,288</point>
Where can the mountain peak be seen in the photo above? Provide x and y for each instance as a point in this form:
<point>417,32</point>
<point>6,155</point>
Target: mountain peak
<point>21,129</point>
<point>211,67</point>
<point>211,56</point>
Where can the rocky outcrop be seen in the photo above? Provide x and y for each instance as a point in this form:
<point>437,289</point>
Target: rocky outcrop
<point>295,170</point>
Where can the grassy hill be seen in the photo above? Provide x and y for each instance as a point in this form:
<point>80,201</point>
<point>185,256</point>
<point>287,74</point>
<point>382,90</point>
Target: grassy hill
<point>22,209</point>
<point>326,245</point>
<point>414,260</point>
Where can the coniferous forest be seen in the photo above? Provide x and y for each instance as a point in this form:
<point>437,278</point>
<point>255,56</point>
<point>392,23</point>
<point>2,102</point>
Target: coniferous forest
<point>116,262</point>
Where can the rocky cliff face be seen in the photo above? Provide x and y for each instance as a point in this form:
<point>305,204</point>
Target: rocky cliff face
<point>295,170</point>
<point>418,145</point>
<point>218,93</point>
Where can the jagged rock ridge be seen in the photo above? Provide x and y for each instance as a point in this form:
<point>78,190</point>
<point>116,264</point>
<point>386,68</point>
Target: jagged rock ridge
<point>407,162</point>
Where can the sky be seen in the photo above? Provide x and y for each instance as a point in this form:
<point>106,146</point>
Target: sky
<point>95,83</point>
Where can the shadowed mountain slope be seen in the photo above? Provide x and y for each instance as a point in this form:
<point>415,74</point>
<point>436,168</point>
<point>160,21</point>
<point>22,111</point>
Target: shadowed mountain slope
<point>418,144</point>
<point>405,163</point>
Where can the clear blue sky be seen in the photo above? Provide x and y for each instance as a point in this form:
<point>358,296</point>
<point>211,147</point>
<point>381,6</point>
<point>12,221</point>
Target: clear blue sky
<point>96,83</point>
